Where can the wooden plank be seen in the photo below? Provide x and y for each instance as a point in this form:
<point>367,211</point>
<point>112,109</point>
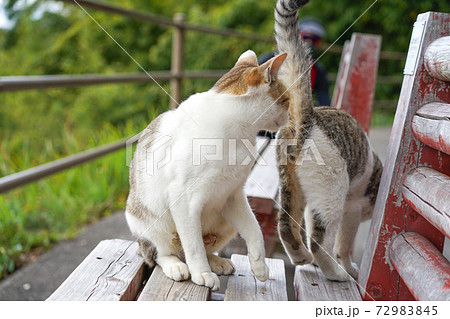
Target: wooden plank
<point>431,125</point>
<point>422,267</point>
<point>160,288</point>
<point>436,110</point>
<point>263,180</point>
<point>342,74</point>
<point>428,192</point>
<point>243,285</point>
<point>392,214</point>
<point>112,271</point>
<point>356,89</point>
<point>258,204</point>
<point>437,58</point>
<point>310,284</point>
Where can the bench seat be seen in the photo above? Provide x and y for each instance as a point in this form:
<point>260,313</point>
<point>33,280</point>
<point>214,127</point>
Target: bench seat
<point>114,271</point>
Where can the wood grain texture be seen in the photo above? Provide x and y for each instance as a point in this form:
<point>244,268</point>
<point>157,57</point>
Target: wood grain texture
<point>263,180</point>
<point>160,288</point>
<point>342,73</point>
<point>355,88</point>
<point>392,214</point>
<point>431,125</point>
<point>428,192</point>
<point>242,285</point>
<point>422,267</point>
<point>112,271</point>
<point>310,284</point>
<point>437,58</point>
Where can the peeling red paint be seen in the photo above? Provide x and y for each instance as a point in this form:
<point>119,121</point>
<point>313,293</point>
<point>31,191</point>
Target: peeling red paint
<point>392,213</point>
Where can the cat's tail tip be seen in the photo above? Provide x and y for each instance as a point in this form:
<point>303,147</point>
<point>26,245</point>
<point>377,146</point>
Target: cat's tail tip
<point>295,4</point>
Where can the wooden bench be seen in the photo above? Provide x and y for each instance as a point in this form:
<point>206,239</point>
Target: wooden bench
<point>114,271</point>
<point>403,259</point>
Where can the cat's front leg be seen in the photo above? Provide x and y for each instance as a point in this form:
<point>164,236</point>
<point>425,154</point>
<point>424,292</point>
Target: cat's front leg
<point>240,216</point>
<point>187,218</point>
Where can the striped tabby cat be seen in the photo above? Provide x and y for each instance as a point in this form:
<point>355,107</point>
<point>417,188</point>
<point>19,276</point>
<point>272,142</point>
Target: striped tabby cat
<point>330,197</point>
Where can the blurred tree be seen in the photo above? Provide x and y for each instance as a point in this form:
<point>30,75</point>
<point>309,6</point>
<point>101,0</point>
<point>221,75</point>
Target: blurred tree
<point>66,41</point>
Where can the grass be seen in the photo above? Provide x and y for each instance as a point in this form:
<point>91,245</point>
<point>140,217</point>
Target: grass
<point>41,213</point>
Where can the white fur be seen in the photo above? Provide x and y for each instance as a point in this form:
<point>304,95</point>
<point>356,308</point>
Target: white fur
<point>195,200</point>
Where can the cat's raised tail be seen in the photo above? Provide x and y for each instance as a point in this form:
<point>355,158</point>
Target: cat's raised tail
<point>298,62</point>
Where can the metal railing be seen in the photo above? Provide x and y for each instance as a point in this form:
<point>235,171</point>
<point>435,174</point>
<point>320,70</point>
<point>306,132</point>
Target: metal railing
<point>175,75</point>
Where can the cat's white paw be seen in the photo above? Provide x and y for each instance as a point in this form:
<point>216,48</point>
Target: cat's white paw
<point>208,279</point>
<point>260,270</point>
<point>220,266</point>
<point>177,271</point>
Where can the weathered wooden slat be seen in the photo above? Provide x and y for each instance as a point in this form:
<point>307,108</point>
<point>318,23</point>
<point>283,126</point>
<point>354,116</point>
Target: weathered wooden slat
<point>160,288</point>
<point>112,271</point>
<point>431,125</point>
<point>310,285</point>
<point>355,88</point>
<point>342,74</point>
<point>428,192</point>
<point>259,200</point>
<point>263,180</point>
<point>436,110</point>
<point>421,266</point>
<point>243,285</point>
<point>437,58</point>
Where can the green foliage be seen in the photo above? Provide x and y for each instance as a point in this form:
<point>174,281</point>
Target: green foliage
<point>39,126</point>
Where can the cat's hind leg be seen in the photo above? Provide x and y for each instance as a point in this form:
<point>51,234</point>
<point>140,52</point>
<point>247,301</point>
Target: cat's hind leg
<point>322,236</point>
<point>187,217</point>
<point>156,245</point>
<point>347,232</point>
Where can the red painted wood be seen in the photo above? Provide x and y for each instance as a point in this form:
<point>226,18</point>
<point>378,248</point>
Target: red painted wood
<point>422,267</point>
<point>355,87</point>
<point>431,125</point>
<point>428,192</point>
<point>392,215</point>
<point>262,206</point>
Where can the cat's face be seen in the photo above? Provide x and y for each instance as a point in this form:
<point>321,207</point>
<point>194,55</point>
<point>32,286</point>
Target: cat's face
<point>261,82</point>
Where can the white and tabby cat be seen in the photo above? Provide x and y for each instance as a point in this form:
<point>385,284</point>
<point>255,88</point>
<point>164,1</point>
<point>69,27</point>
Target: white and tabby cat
<point>188,209</point>
<point>330,198</point>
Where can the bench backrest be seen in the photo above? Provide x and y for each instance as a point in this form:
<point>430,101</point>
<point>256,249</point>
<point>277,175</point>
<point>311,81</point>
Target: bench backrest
<point>403,259</point>
<point>355,83</point>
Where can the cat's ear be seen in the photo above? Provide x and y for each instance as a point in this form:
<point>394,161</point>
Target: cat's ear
<point>274,66</point>
<point>248,57</point>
